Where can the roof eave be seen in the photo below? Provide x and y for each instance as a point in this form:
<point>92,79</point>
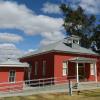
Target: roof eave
<point>12,65</point>
<point>59,51</point>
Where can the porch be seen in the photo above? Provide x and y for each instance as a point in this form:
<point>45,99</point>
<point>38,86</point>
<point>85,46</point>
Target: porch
<point>81,64</point>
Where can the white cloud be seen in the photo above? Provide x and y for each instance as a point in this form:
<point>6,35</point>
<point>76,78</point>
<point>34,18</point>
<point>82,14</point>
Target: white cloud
<point>13,15</point>
<point>31,50</point>
<point>51,8</point>
<point>90,6</point>
<point>9,51</point>
<point>9,37</point>
<point>51,37</point>
<point>7,45</point>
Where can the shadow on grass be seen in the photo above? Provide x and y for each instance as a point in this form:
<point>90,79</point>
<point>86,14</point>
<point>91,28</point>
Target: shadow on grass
<point>83,95</point>
<point>90,93</point>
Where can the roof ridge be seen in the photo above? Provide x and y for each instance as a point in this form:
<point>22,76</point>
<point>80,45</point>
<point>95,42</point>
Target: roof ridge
<point>60,46</point>
<point>45,46</point>
<point>51,43</point>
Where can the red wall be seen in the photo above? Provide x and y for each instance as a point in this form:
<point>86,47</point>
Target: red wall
<point>98,69</point>
<point>60,57</point>
<point>87,73</point>
<point>49,58</point>
<point>4,82</point>
<point>58,60</point>
<point>54,65</point>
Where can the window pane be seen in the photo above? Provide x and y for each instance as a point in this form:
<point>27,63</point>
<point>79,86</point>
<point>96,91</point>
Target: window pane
<point>92,69</point>
<point>12,73</point>
<point>64,72</point>
<point>65,69</point>
<point>64,65</point>
<point>44,68</point>
<point>12,76</point>
<point>13,79</point>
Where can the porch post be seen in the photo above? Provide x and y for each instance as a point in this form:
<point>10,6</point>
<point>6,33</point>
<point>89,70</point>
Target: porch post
<point>77,76</point>
<point>95,70</point>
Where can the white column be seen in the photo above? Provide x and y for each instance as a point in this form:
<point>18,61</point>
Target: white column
<point>95,70</point>
<point>77,76</point>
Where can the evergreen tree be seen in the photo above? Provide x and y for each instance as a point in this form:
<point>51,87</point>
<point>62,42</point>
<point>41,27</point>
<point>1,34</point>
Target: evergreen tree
<point>77,22</point>
<point>96,37</point>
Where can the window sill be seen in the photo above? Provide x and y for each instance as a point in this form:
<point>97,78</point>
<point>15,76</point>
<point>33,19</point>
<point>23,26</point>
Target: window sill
<point>12,82</point>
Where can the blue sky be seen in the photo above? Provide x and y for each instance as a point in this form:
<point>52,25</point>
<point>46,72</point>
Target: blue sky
<point>29,24</point>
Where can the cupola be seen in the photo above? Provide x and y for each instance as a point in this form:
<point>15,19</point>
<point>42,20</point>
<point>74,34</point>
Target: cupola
<point>73,39</point>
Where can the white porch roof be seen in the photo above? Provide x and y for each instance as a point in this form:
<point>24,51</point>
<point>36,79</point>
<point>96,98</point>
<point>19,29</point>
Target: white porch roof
<point>83,60</point>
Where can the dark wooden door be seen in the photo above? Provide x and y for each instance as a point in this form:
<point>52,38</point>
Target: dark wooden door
<point>81,71</point>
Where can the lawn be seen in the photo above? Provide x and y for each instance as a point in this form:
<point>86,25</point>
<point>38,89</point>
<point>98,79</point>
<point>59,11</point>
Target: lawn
<point>84,95</point>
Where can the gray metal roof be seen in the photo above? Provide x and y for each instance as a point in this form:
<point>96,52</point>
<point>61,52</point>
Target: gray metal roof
<point>13,63</point>
<point>63,47</point>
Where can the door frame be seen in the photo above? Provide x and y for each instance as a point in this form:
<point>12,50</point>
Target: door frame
<point>83,71</point>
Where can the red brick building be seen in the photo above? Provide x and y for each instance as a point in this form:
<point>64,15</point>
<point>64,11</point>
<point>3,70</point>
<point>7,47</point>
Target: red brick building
<point>65,59</point>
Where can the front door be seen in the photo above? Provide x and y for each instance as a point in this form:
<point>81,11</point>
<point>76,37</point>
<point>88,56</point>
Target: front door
<point>81,71</point>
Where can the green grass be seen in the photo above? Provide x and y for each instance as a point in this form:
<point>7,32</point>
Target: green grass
<point>83,95</point>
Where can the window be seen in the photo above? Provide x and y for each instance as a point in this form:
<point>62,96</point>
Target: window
<point>36,68</point>
<point>69,41</point>
<point>44,68</point>
<point>92,69</point>
<point>12,76</point>
<point>75,41</point>
<point>65,68</point>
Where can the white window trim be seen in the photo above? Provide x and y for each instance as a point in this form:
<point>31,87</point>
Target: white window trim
<point>9,76</point>
<point>36,68</point>
<point>92,71</point>
<point>44,68</point>
<point>65,68</point>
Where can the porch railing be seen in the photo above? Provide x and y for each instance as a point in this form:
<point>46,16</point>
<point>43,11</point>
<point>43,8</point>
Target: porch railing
<point>22,85</point>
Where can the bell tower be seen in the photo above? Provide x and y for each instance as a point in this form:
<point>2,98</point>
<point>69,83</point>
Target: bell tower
<point>73,39</point>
